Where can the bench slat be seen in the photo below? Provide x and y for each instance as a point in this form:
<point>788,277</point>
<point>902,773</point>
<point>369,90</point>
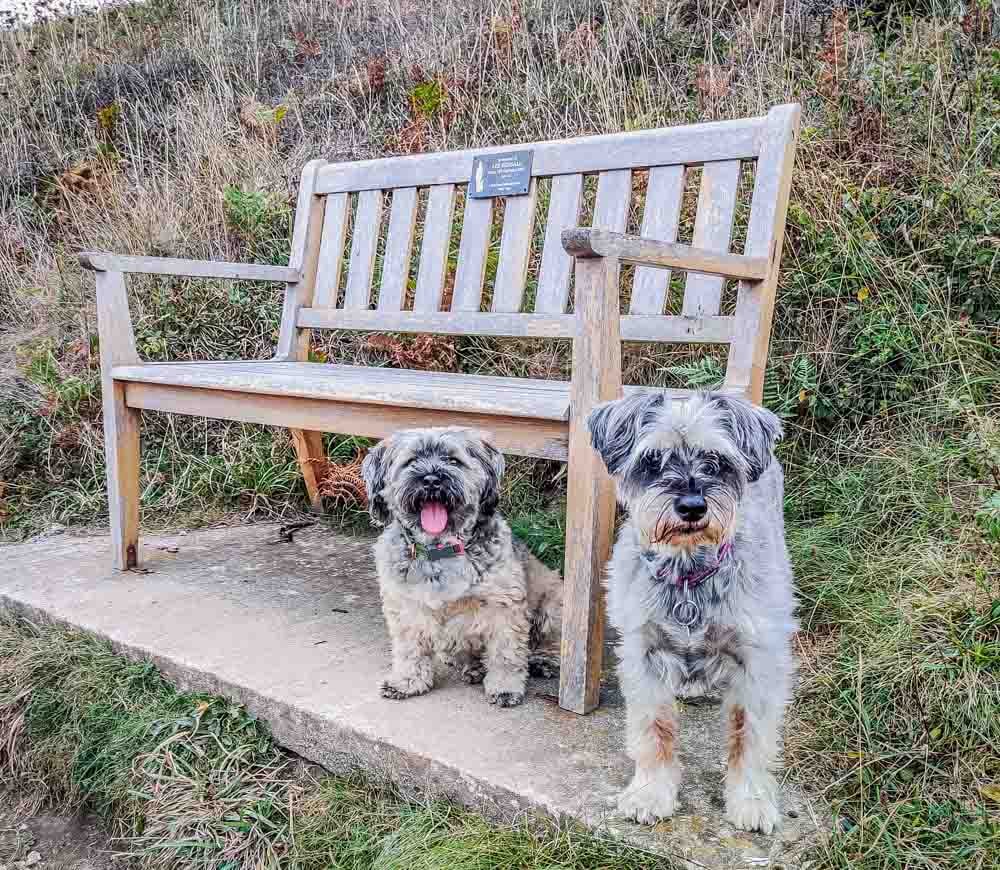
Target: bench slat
<point>713,227</point>
<point>614,193</point>
<point>545,439</point>
<point>331,252</point>
<point>515,249</point>
<point>695,144</point>
<point>700,330</point>
<point>434,249</point>
<point>398,249</point>
<point>472,253</point>
<point>557,265</point>
<point>446,323</point>
<point>444,391</point>
<point>364,243</point>
<point>660,220</point>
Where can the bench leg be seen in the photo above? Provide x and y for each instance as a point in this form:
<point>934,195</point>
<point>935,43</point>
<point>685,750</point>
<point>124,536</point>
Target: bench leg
<point>311,455</point>
<point>590,518</point>
<point>590,496</point>
<point>121,450</point>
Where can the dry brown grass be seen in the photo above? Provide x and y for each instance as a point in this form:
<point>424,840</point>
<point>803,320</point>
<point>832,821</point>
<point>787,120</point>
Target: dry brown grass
<point>180,129</point>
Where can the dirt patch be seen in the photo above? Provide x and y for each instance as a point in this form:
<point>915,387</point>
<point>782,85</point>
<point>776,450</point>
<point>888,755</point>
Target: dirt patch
<point>50,841</point>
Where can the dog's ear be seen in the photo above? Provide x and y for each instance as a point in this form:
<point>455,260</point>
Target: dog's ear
<point>373,470</point>
<point>614,426</point>
<point>753,429</point>
<point>493,465</point>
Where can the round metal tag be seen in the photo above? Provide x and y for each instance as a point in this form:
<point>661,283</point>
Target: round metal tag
<point>687,613</point>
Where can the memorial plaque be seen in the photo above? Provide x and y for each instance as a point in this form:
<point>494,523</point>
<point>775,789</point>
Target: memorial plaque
<point>506,174</point>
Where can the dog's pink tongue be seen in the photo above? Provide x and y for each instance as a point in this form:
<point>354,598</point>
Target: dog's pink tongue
<point>433,517</point>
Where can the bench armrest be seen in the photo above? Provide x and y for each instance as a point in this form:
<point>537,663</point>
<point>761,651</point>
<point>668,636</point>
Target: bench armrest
<point>101,262</point>
<point>590,242</point>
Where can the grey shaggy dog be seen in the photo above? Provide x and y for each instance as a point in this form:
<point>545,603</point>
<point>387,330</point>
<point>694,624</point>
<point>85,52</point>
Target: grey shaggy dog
<point>700,590</point>
<point>455,583</point>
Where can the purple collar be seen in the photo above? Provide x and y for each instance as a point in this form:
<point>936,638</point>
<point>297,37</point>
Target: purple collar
<point>696,578</point>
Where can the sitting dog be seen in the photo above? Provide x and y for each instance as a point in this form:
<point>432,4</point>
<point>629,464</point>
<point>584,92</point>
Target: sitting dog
<point>454,581</point>
<point>699,588</point>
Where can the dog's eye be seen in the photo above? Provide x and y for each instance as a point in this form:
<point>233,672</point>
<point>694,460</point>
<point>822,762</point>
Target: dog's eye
<point>711,466</point>
<point>651,463</point>
<point>453,460</point>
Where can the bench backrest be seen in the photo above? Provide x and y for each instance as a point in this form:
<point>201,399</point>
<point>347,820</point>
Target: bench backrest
<point>337,197</point>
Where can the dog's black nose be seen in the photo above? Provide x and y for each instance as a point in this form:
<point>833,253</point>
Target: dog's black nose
<point>431,478</point>
<point>691,507</point>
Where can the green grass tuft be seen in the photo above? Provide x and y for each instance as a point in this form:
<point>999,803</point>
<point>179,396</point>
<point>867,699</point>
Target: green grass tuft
<point>187,780</point>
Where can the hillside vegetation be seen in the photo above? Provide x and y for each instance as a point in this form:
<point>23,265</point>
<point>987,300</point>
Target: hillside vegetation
<point>179,128</point>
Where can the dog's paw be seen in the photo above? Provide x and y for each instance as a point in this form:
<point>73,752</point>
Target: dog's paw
<point>752,812</point>
<point>505,688</point>
<point>399,688</point>
<point>473,674</point>
<point>544,670</point>
<point>505,699</point>
<point>648,801</point>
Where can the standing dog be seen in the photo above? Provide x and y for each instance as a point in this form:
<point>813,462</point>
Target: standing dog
<point>700,589</point>
<point>454,581</point>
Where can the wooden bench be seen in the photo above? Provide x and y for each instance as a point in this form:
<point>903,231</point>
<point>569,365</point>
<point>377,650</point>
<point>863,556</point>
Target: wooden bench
<point>528,417</point>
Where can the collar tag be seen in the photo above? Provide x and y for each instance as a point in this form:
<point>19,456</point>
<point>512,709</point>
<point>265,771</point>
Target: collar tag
<point>446,551</point>
<point>436,554</point>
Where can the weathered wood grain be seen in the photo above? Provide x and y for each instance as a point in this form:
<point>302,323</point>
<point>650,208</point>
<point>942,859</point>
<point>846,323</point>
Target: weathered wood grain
<point>515,247</point>
<point>660,219</point>
<point>713,228</point>
<point>634,327</point>
<point>694,144</point>
<point>398,249</point>
<point>364,245</point>
<point>331,250</point>
<point>121,423</point>
<point>765,235</point>
<point>544,439</point>
<point>583,242</point>
<point>473,249</point>
<point>556,267</point>
<point>97,261</point>
<point>434,248</point>
<point>590,496</point>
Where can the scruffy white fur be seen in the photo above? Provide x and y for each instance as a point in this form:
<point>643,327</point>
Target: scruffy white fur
<point>490,611</point>
<point>721,448</point>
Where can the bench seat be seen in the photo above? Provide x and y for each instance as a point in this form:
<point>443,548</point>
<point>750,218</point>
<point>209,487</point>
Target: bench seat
<point>404,388</point>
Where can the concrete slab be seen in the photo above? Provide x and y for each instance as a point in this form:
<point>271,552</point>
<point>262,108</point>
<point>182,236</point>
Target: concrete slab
<point>294,631</point>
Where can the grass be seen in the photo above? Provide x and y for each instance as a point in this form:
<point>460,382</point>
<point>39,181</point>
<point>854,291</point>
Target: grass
<point>179,128</point>
<point>195,781</point>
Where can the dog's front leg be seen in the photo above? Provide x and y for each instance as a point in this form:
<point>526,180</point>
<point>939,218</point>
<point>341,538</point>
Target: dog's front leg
<point>507,655</point>
<point>752,712</point>
<point>651,734</point>
<point>412,657</point>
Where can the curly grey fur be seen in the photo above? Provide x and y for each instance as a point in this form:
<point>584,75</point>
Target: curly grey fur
<point>491,612</point>
<point>721,448</point>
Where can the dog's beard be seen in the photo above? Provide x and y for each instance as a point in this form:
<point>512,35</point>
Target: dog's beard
<point>661,529</point>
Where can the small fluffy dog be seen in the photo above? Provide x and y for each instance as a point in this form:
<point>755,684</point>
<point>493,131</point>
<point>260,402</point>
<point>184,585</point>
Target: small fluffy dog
<point>454,580</point>
<point>700,589</point>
